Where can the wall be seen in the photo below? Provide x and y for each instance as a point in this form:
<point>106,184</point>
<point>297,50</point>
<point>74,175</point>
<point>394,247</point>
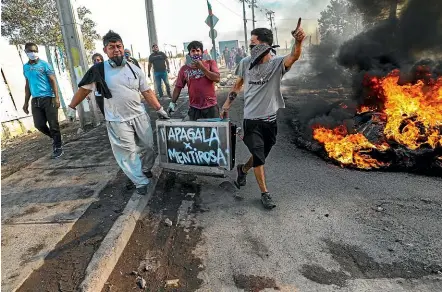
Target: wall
<point>12,87</point>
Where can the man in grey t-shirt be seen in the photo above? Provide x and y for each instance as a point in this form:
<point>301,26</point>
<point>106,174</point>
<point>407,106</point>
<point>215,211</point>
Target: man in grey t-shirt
<point>261,75</point>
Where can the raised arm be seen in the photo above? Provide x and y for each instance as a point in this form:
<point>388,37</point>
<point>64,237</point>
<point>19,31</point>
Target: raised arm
<point>299,36</point>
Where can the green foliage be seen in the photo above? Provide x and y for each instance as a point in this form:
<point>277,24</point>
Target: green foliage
<point>336,21</point>
<point>37,21</point>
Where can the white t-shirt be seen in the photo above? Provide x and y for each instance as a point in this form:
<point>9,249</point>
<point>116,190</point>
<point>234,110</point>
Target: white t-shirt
<point>125,103</point>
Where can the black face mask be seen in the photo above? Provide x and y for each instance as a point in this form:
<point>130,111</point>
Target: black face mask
<point>251,46</point>
<point>118,60</point>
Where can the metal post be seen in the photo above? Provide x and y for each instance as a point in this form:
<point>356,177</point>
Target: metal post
<point>151,28</point>
<point>276,30</point>
<point>78,65</point>
<point>245,23</point>
<point>253,13</point>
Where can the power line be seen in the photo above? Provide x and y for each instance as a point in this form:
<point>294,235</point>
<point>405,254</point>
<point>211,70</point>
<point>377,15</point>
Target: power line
<point>229,9</point>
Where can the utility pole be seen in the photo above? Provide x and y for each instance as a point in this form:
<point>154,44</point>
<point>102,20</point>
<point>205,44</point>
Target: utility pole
<point>74,46</point>
<point>271,17</point>
<point>253,4</point>
<point>151,28</point>
<point>245,22</point>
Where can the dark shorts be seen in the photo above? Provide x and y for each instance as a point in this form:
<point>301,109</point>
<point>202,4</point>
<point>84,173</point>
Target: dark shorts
<point>207,113</point>
<point>259,137</point>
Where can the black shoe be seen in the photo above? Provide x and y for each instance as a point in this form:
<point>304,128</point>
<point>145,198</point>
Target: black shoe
<point>58,152</point>
<point>129,185</point>
<point>241,179</point>
<point>142,190</point>
<point>148,174</point>
<point>267,201</point>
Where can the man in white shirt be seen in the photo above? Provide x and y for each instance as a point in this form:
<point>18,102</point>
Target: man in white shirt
<point>128,124</point>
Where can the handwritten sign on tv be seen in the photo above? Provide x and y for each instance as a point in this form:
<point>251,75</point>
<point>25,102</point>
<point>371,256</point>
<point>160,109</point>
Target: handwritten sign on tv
<point>202,144</point>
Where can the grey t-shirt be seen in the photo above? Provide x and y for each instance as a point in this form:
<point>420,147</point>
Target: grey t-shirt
<point>125,103</point>
<point>262,87</point>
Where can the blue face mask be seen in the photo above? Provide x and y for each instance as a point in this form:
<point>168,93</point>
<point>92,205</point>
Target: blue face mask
<point>126,55</point>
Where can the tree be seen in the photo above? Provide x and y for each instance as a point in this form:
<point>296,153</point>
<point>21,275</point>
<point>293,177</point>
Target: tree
<point>336,23</point>
<point>37,21</point>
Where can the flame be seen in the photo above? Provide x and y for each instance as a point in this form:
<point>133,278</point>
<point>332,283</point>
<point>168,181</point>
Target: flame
<point>413,116</point>
<point>414,112</point>
<point>349,149</point>
<point>364,109</point>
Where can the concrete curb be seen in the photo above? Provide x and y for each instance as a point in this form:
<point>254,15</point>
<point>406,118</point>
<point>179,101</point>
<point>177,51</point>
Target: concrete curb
<point>106,257</point>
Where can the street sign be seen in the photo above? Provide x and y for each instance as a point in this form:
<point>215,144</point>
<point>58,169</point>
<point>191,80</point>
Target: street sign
<point>214,32</point>
<point>215,20</point>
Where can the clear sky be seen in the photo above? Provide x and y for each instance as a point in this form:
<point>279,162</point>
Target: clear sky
<point>179,21</point>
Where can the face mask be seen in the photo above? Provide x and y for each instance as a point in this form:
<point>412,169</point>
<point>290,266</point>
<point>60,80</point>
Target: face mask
<point>118,60</point>
<point>196,57</point>
<point>251,46</point>
<point>126,55</point>
<point>32,56</point>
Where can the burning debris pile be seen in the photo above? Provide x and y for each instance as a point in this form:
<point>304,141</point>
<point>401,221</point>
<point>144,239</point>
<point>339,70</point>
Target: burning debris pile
<point>394,120</point>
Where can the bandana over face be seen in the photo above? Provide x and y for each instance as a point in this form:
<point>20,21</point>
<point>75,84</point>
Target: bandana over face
<point>260,51</point>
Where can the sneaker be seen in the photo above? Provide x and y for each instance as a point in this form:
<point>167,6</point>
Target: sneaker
<point>142,190</point>
<point>267,201</point>
<point>129,185</point>
<point>57,153</point>
<point>241,180</point>
<point>148,174</point>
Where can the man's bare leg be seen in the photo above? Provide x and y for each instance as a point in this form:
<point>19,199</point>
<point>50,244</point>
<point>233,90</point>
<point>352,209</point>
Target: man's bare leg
<point>260,178</point>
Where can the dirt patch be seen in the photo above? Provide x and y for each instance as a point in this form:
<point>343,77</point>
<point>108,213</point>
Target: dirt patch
<point>64,268</point>
<point>357,264</point>
<point>251,283</point>
<point>158,252</point>
<point>21,151</point>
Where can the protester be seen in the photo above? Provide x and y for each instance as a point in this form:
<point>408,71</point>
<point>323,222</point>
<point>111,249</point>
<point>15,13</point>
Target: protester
<point>42,86</point>
<point>128,124</point>
<point>226,56</point>
<point>261,75</point>
<point>127,55</point>
<point>232,58</point>
<point>161,68</point>
<point>239,56</point>
<point>200,76</point>
<point>98,58</point>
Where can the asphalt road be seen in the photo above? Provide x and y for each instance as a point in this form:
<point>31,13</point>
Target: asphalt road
<point>333,229</point>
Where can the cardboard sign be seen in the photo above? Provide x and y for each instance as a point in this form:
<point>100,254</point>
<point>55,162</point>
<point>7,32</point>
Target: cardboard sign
<point>195,145</point>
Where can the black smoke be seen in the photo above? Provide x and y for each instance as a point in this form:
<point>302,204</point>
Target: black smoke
<point>411,43</point>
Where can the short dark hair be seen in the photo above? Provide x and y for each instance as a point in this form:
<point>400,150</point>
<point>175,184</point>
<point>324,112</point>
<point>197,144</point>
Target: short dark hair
<point>111,36</point>
<point>97,55</point>
<point>28,45</point>
<point>263,34</point>
<point>195,45</point>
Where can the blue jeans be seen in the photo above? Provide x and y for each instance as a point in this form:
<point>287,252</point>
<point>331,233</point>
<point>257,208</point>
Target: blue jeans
<point>162,76</point>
